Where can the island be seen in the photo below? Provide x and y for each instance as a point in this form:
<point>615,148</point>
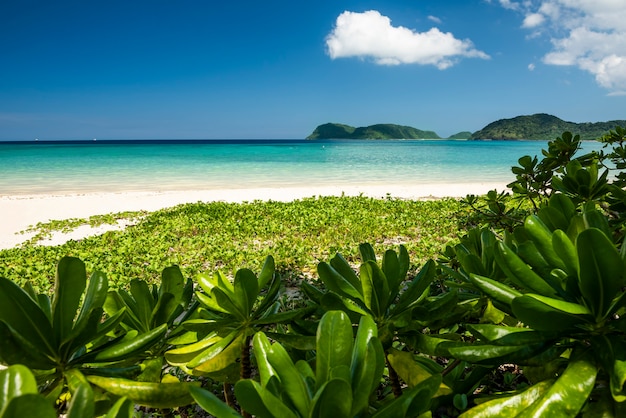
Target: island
<point>542,126</point>
<point>378,131</point>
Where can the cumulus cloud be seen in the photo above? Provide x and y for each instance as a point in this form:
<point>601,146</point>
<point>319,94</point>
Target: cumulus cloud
<point>588,34</point>
<point>371,35</point>
<point>533,20</point>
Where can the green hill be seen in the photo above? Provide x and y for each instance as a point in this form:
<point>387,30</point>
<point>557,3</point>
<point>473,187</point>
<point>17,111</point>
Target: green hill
<point>543,127</point>
<point>461,135</point>
<point>379,131</point>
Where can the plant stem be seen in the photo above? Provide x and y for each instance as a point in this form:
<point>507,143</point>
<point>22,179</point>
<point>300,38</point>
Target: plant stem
<point>394,379</point>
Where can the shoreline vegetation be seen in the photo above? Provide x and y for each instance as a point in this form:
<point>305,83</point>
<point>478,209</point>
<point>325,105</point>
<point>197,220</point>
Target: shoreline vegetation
<point>540,126</point>
<point>348,306</point>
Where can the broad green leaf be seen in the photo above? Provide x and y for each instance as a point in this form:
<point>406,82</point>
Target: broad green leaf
<point>260,402</point>
<point>23,316</point>
<point>30,405</point>
<point>15,349</point>
<point>261,347</point>
<point>601,270</point>
<point>333,399</point>
<point>122,408</point>
<point>569,393</point>
<point>503,335</point>
<point>227,303</point>
<point>69,286</point>
<point>165,310</point>
<point>416,288</point>
<point>391,270</point>
<point>520,273</point>
<point>212,404</point>
<point>144,303</point>
<point>15,381</point>
<point>542,237</point>
<point>337,283</point>
<point>368,362</point>
<point>246,290</point>
<point>226,357</point>
<point>509,406</point>
<point>341,266</point>
<point>548,314</point>
<point>381,287</point>
<point>267,272</point>
<point>82,403</point>
<point>291,381</point>
<point>213,350</point>
<point>95,297</point>
<point>566,250</point>
<point>334,344</point>
<point>411,372</point>
<point>367,252</point>
<point>370,293</point>
<point>172,281</point>
<point>495,289</point>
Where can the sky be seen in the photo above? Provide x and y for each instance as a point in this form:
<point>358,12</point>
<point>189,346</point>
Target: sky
<point>275,69</point>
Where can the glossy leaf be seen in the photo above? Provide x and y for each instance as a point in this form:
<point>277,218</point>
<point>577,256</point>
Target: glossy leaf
<point>260,402</point>
<point>24,317</point>
<point>212,404</point>
<point>601,270</point>
<point>549,314</point>
<point>15,381</point>
<point>569,393</point>
<point>495,289</point>
<point>334,345</point>
<point>333,399</point>
<point>246,289</point>
<point>520,273</point>
<point>509,406</point>
<point>70,284</point>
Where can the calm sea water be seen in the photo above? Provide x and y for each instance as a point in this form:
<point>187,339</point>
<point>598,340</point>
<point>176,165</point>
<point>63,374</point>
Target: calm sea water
<point>78,167</point>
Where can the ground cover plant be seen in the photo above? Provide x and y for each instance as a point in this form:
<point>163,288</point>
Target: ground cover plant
<point>522,315</point>
<point>203,237</point>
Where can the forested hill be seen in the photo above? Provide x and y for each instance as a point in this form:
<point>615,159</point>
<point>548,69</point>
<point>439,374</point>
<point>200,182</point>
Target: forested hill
<point>379,131</point>
<point>544,127</point>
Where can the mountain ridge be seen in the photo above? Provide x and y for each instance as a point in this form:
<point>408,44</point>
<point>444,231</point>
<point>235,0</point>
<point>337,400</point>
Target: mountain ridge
<point>539,126</point>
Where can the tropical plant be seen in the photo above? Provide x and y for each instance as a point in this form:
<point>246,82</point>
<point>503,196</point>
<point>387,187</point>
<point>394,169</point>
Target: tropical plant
<point>569,292</point>
<point>382,293</point>
<point>217,343</point>
<point>347,371</point>
<point>69,336</point>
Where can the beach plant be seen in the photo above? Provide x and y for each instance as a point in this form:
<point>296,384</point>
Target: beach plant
<point>147,308</point>
<point>399,307</point>
<point>347,370</point>
<point>217,343</point>
<point>68,337</point>
<point>573,312</point>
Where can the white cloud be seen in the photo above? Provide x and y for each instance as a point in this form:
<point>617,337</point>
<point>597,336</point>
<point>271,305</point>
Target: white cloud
<point>588,34</point>
<point>508,4</point>
<point>371,35</point>
<point>434,19</point>
<point>533,20</point>
<point>531,67</point>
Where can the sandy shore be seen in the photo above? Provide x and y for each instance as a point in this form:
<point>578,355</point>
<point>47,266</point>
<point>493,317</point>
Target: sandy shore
<point>19,212</point>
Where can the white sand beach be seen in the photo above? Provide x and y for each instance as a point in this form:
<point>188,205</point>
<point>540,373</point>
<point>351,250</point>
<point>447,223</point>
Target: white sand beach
<point>19,212</point>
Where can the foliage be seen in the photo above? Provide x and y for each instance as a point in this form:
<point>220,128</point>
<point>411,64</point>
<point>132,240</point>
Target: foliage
<point>227,236</point>
<point>347,371</point>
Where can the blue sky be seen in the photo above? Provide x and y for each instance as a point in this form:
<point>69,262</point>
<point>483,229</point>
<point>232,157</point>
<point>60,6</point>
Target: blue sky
<point>138,69</point>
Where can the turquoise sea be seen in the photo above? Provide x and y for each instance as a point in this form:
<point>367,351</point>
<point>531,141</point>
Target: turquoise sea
<point>105,166</point>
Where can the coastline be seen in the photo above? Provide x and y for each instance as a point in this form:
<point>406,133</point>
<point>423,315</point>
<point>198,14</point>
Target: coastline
<point>19,212</point>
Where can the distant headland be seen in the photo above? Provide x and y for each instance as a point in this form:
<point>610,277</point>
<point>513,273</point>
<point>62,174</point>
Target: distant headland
<point>540,126</point>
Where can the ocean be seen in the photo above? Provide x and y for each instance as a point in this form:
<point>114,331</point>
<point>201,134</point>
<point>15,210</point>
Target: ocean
<point>69,167</point>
